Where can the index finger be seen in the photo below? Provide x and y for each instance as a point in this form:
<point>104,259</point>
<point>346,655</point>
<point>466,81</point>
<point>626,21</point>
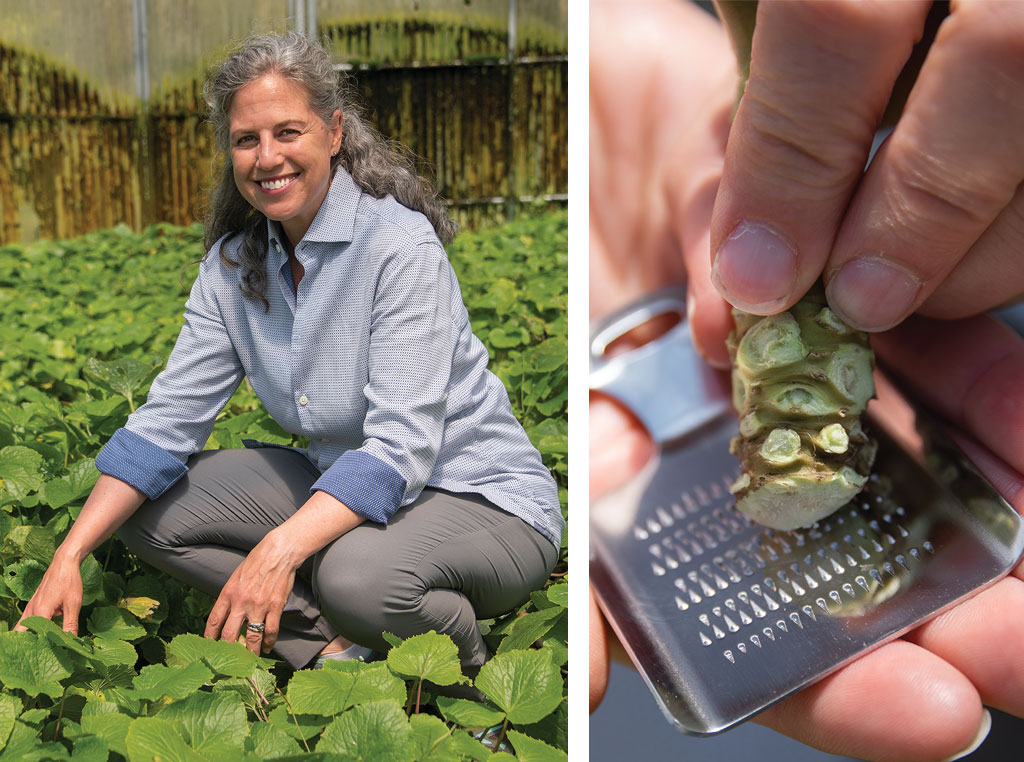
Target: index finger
<point>820,77</point>
<point>71,607</point>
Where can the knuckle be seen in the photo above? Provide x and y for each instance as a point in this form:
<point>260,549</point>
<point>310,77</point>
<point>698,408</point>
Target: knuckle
<point>993,32</point>
<point>794,147</point>
<point>931,197</point>
<point>842,18</point>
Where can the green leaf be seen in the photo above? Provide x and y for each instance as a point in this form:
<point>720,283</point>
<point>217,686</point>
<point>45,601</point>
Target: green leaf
<point>156,681</point>
<point>429,656</point>
<point>265,683</point>
<point>469,714</point>
<point>505,295</point>
<point>559,594</point>
<point>90,748</point>
<point>115,652</point>
<point>394,640</point>
<point>531,750</point>
<point>34,717</point>
<point>125,375</point>
<point>92,580</point>
<point>232,659</point>
<point>499,339</point>
<point>151,738</point>
<point>341,685</point>
<point>52,632</point>
<point>112,622</point>
<point>523,684</point>
<point>28,664</point>
<point>35,542</point>
<point>469,748</point>
<point>24,577</point>
<point>529,628</point>
<point>66,489</point>
<point>552,730</point>
<point>432,740</point>
<point>24,746</point>
<point>556,647</point>
<point>214,724</point>
<point>111,687</point>
<point>375,732</point>
<point>10,708</point>
<point>270,742</point>
<point>309,725</point>
<point>20,470</point>
<point>548,356</point>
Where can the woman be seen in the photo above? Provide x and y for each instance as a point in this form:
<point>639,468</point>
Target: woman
<point>420,503</point>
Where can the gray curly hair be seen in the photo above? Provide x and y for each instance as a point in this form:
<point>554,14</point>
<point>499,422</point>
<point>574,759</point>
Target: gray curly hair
<point>377,165</point>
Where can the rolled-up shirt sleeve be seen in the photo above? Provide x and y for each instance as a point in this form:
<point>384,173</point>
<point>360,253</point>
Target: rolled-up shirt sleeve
<point>202,372</point>
<point>410,360</point>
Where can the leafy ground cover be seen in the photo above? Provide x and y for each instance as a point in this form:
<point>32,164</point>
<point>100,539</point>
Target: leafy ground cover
<point>87,324</point>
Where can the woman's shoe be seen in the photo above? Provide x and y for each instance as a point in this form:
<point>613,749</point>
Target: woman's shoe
<point>489,738</point>
<point>352,653</point>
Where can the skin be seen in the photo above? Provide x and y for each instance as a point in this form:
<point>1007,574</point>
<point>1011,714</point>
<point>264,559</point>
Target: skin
<point>659,128</point>
<point>273,134</point>
<point>935,225</point>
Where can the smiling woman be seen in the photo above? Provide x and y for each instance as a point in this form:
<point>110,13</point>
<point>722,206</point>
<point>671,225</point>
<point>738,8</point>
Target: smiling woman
<point>421,503</point>
<point>281,152</point>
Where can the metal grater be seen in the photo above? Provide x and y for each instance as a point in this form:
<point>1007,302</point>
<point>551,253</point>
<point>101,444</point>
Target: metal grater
<point>724,617</point>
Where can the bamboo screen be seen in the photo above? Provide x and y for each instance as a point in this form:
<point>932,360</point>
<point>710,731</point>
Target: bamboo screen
<point>79,153</point>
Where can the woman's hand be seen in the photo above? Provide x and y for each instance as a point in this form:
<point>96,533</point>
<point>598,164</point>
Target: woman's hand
<point>59,593</point>
<point>255,592</point>
<point>935,224</point>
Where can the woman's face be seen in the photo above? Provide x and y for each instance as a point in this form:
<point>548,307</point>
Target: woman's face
<point>281,151</point>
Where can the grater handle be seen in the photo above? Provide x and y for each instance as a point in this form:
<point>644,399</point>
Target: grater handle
<point>665,382</point>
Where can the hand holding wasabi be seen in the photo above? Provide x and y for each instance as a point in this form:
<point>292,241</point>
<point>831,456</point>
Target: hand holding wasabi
<point>659,113</point>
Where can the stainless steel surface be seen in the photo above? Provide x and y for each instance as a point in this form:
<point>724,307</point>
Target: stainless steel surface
<point>665,383</point>
<point>723,617</point>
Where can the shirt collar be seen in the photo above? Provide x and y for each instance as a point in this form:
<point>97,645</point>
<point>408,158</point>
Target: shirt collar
<point>336,219</point>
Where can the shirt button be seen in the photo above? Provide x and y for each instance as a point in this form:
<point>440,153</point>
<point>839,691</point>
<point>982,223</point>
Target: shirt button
<point>303,400</point>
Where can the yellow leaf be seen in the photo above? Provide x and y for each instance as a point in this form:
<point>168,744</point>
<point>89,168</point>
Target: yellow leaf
<point>142,607</point>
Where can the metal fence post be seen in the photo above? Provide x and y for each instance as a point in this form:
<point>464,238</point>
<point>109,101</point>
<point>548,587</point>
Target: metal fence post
<point>303,15</point>
<point>512,194</point>
<point>145,201</point>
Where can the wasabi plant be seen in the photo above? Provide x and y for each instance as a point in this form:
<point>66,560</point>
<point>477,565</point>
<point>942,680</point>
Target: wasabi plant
<point>800,381</point>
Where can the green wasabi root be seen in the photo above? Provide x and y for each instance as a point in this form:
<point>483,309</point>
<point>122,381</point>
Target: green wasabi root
<point>800,381</point>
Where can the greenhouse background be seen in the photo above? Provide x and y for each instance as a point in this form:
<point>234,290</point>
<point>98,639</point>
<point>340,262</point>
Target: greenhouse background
<point>101,117</point>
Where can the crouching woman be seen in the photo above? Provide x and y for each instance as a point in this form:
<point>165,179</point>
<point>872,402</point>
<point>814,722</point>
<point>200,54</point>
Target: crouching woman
<point>420,503</point>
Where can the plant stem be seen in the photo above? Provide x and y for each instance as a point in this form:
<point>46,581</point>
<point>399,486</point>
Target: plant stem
<point>264,699</point>
<point>294,718</point>
<point>419,693</point>
<point>60,715</point>
<point>501,735</point>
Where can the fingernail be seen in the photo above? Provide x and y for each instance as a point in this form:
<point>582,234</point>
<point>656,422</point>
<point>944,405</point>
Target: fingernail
<point>986,726</point>
<point>872,293</point>
<point>755,269</point>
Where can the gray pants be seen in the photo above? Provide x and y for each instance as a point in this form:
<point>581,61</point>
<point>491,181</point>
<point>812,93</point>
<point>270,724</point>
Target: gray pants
<point>439,564</point>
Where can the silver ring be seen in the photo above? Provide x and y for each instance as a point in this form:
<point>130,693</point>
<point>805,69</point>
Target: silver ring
<point>255,626</point>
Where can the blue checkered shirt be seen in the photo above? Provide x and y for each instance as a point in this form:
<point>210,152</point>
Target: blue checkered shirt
<point>373,359</point>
